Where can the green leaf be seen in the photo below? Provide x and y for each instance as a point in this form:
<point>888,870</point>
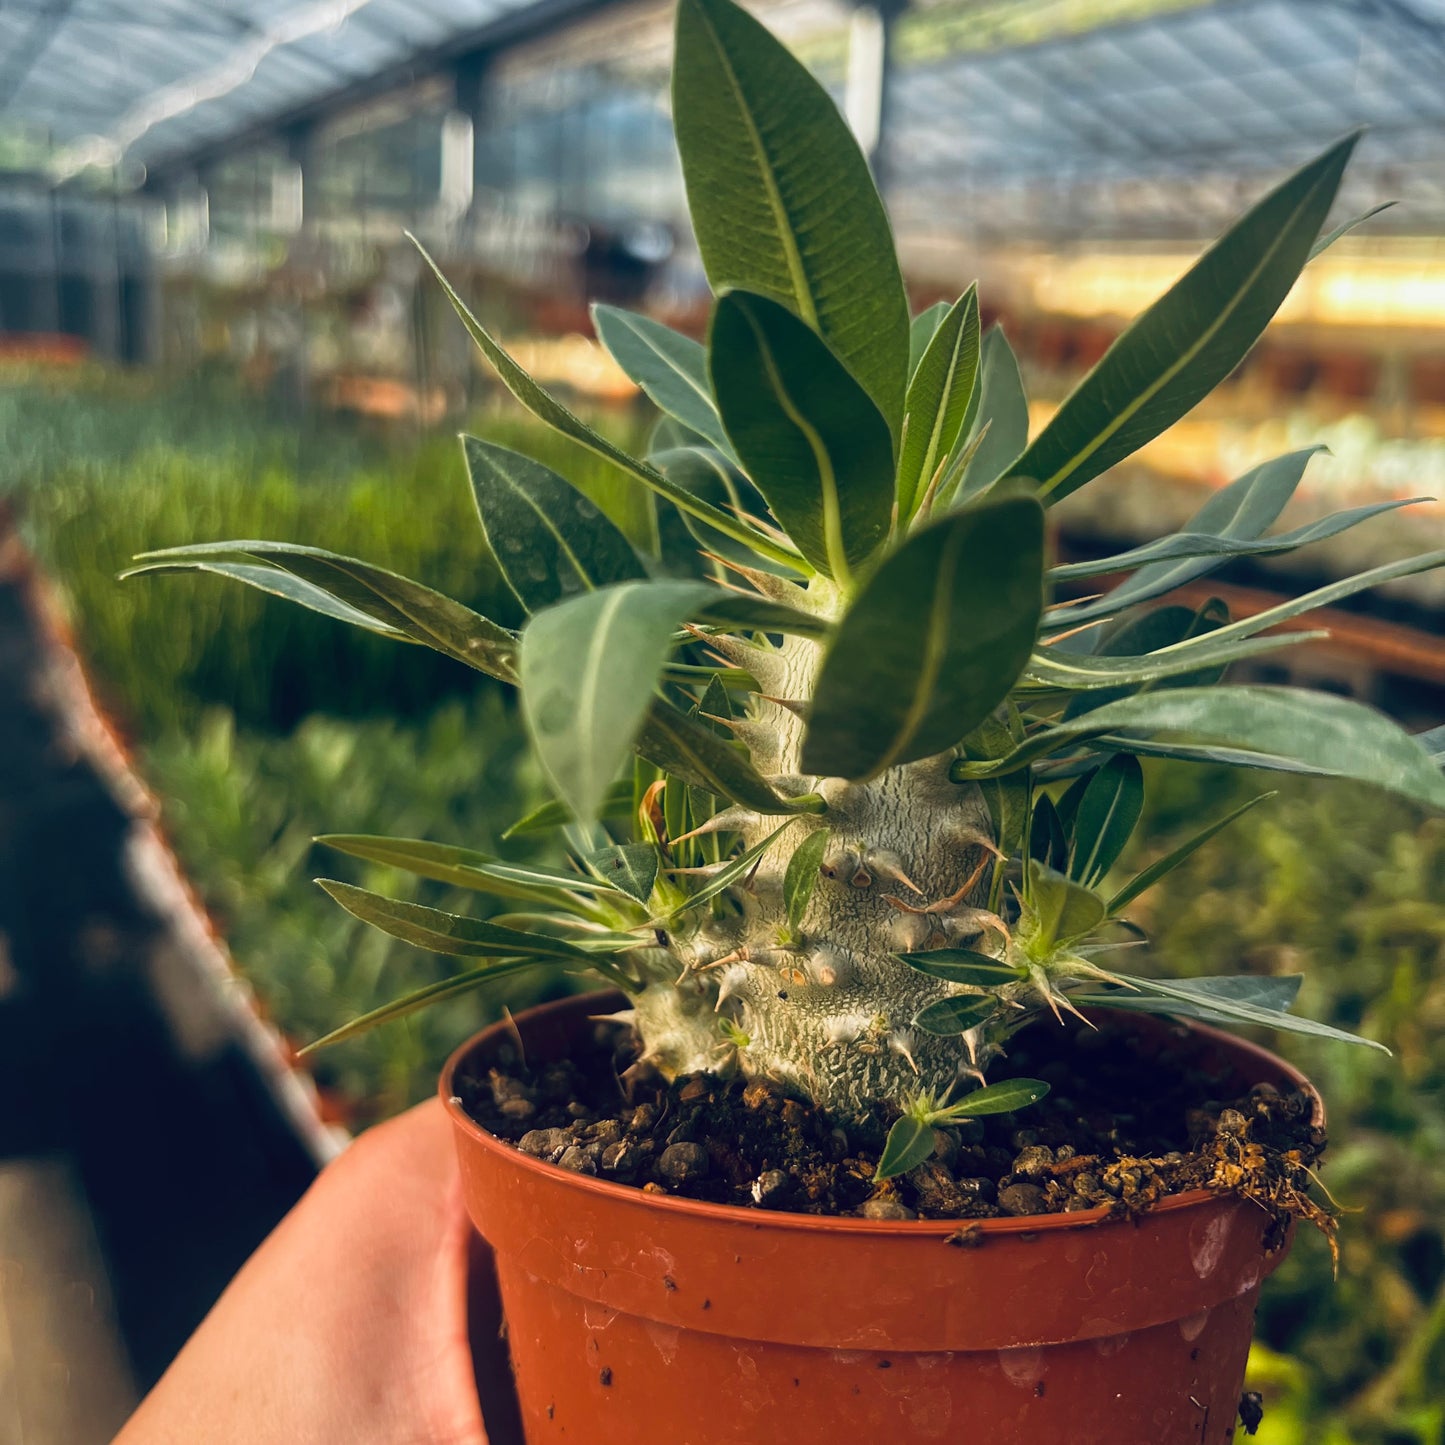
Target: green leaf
<point>1056,670</point>
<point>588,670</point>
<point>464,868</point>
<point>1007,799</point>
<point>1196,753</point>
<point>933,643</point>
<point>279,584</point>
<point>802,875</point>
<point>910,1141</point>
<point>938,398</point>
<point>743,612</point>
<point>397,603</point>
<point>1239,512</point>
<point>449,933</point>
<point>1189,340</point>
<point>1007,1096</point>
<point>960,965</point>
<point>734,872</point>
<point>556,814</point>
<point>420,998</point>
<point>1148,877</point>
<point>1064,910</point>
<point>1433,742</point>
<point>1208,1000</point>
<point>1219,645</point>
<point>1332,735</point>
<point>921,330</point>
<point>687,748</point>
<point>1004,409</point>
<point>782,201</point>
<point>813,443</point>
<point>545,407</point>
<point>946,1017</point>
<point>549,540</point>
<point>631,868</point>
<point>1193,545</point>
<point>1047,839</point>
<point>669,367</point>
<point>1345,227</point>
<point>709,475</point>
<point>1109,810</point>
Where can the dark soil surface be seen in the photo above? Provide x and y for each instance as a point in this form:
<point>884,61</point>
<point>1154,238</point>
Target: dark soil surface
<point>1121,1128</point>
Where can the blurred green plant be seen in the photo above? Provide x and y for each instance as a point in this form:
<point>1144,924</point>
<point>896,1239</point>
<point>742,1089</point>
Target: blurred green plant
<point>113,463</point>
<point>1348,887</point>
<point>242,811</point>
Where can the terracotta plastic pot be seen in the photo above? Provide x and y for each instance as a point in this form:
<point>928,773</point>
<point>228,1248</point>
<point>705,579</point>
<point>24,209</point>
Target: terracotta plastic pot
<point>640,1319</point>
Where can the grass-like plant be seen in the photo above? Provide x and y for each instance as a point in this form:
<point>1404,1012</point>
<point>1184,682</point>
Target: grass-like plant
<point>880,774</point>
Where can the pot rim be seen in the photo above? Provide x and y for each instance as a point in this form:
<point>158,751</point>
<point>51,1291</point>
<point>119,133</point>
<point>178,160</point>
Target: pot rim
<point>833,1223</point>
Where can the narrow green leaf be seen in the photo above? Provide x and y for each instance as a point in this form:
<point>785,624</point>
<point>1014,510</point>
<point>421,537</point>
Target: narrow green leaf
<point>1146,878</point>
<point>1220,645</point>
<point>1239,512</point>
<point>1007,1096</point>
<point>1056,670</point>
<point>1048,841</point>
<point>1332,735</point>
<point>715,479</point>
<point>1007,799</point>
<point>630,868</point>
<point>1189,340</point>
<point>933,643</point>
<point>1109,810</point>
<point>920,332</point>
<point>801,876</point>
<point>396,602</point>
<point>781,198</point>
<point>449,933</point>
<point>910,1141</point>
<point>732,873</point>
<point>420,998</point>
<point>1433,742</point>
<point>464,868</point>
<point>669,367</point>
<point>687,748</point>
<point>556,814</point>
<point>813,443</point>
<point>1002,408</point>
<point>279,584</point>
<point>1197,753</point>
<point>1064,910</point>
<point>960,965</point>
<point>545,407</point>
<point>945,1017</point>
<point>1345,227</point>
<point>1212,1004</point>
<point>1180,546</point>
<point>938,398</point>
<point>550,541</point>
<point>588,670</point>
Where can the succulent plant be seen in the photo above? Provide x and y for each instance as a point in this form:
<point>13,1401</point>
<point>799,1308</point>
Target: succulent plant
<point>845,772</point>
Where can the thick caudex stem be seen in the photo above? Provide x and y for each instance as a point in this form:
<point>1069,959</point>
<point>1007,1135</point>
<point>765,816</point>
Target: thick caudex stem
<point>825,1008</point>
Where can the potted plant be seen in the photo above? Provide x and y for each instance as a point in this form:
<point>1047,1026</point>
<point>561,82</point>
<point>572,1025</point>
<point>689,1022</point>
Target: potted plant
<point>877,1134</point>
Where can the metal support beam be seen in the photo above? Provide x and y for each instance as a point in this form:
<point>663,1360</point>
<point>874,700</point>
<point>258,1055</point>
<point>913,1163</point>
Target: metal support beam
<point>294,193</point>
<point>868,78</point>
<point>526,22</point>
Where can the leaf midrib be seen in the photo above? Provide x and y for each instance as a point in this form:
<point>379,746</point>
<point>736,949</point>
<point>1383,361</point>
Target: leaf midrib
<point>802,292</point>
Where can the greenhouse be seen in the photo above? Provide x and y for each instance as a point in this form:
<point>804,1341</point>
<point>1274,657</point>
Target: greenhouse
<point>928,467</point>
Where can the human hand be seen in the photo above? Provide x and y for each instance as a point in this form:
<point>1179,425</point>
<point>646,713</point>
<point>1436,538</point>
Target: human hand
<point>350,1323</point>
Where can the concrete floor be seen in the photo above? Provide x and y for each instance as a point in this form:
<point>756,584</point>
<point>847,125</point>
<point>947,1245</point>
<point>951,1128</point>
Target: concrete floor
<point>151,1133</point>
